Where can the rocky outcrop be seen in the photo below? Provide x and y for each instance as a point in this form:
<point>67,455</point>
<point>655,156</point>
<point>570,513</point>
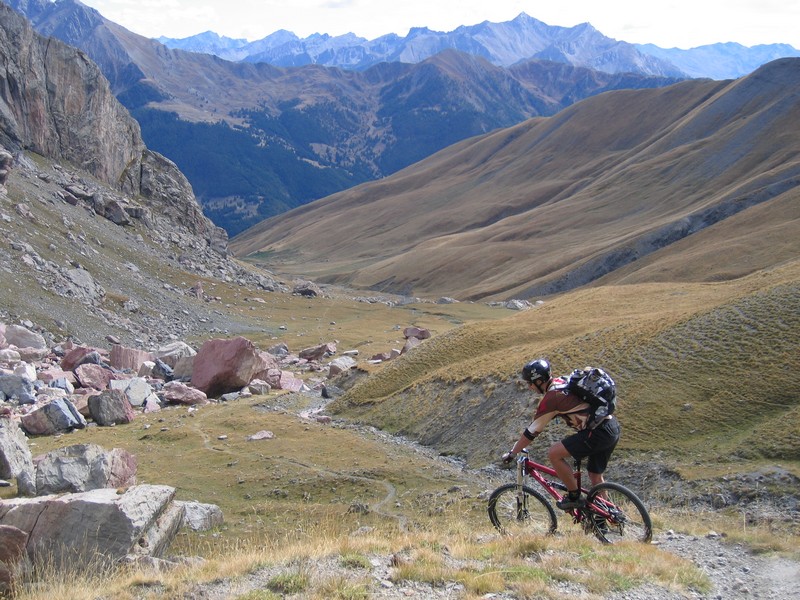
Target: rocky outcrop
<point>71,386</point>
<point>139,521</point>
<point>56,102</point>
<point>169,194</point>
<point>88,511</point>
<point>15,457</point>
<point>84,467</point>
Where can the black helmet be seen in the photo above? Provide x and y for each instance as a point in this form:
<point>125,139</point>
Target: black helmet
<point>535,370</point>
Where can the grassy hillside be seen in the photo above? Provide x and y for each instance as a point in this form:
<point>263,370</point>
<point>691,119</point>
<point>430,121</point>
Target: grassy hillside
<point>694,182</point>
<point>704,371</point>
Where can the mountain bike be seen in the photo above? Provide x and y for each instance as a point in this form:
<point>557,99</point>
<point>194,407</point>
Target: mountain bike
<point>612,512</point>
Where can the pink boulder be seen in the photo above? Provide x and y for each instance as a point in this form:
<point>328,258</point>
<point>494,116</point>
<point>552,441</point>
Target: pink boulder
<point>180,393</point>
<point>124,358</point>
<point>223,366</point>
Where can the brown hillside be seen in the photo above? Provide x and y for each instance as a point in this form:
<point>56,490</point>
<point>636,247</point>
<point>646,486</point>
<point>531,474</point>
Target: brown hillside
<point>694,182</point>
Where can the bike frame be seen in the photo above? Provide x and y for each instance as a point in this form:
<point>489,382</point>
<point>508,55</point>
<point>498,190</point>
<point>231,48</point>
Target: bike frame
<point>536,471</point>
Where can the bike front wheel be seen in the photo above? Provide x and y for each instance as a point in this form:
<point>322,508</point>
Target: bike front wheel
<point>526,513</point>
<point>627,519</point>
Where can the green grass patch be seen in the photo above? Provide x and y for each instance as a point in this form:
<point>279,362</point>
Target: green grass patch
<point>290,583</point>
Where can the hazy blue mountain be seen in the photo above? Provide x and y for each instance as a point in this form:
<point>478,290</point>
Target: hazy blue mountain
<point>502,44</point>
<point>207,43</point>
<point>721,61</point>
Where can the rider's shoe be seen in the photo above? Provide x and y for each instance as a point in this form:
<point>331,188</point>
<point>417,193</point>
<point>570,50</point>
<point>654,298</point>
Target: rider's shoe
<point>568,503</point>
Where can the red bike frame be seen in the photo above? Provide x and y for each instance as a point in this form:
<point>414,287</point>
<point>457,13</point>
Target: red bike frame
<point>535,470</point>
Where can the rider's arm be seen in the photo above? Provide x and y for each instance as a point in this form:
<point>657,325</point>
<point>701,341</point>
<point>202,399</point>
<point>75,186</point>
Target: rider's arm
<point>540,421</point>
<point>526,438</point>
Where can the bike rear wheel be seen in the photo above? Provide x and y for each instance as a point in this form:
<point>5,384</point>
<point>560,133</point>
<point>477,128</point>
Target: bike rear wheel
<point>512,515</point>
<point>628,518</point>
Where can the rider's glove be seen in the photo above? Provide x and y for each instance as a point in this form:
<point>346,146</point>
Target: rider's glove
<point>508,458</point>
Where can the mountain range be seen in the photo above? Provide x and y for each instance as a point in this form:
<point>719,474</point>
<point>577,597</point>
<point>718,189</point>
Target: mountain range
<point>503,44</point>
<point>256,140</point>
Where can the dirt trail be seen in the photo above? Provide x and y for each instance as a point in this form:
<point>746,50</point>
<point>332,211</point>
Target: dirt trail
<point>735,571</point>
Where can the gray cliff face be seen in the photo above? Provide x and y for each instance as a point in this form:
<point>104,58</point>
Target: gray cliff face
<point>55,101</point>
<point>58,104</point>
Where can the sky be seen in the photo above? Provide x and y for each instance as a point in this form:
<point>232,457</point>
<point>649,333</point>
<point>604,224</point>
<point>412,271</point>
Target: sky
<point>667,23</point>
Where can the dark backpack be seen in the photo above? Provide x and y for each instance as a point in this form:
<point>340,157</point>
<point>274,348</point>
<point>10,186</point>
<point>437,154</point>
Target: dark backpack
<point>595,386</point>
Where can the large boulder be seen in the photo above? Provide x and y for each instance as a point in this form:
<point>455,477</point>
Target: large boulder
<point>283,380</point>
<point>19,336</point>
<point>15,457</point>
<point>111,407</point>
<point>225,365</point>
<point>12,554</point>
<point>340,365</point>
<point>202,517</point>
<point>128,359</point>
<point>17,388</point>
<point>93,376</point>
<point>136,389</point>
<point>306,288</point>
<point>78,355</point>
<point>176,392</point>
<point>173,352</point>
<point>318,352</point>
<point>84,467</point>
<point>416,332</point>
<point>76,531</point>
<point>59,416</point>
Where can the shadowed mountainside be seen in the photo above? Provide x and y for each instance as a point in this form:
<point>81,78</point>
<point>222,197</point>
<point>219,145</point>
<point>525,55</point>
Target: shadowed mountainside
<point>694,182</point>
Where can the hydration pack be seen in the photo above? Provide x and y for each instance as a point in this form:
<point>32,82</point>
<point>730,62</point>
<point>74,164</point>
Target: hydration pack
<point>595,386</point>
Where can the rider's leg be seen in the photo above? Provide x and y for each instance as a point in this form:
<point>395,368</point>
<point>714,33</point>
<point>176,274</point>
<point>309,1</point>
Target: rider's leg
<point>558,455</point>
<point>603,440</point>
<point>596,478</point>
<point>606,438</point>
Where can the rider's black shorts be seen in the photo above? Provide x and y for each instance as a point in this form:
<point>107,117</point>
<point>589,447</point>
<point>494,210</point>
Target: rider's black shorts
<point>597,444</point>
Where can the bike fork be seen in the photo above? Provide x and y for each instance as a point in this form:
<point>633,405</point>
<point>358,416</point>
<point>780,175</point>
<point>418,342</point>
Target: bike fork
<point>522,499</point>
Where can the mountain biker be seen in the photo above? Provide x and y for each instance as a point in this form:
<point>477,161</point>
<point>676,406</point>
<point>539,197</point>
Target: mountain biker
<point>596,442</point>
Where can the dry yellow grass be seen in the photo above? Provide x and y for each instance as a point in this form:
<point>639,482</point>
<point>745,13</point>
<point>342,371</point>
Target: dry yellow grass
<point>332,566</point>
